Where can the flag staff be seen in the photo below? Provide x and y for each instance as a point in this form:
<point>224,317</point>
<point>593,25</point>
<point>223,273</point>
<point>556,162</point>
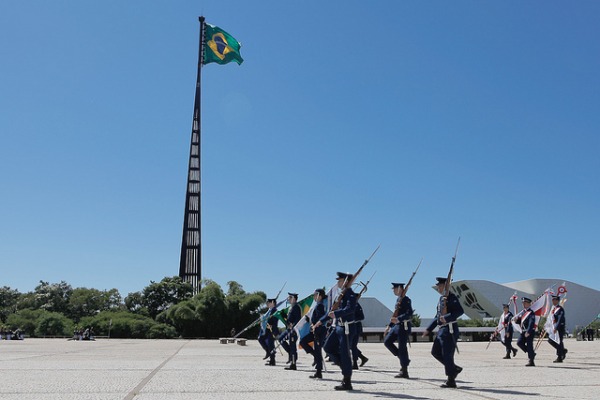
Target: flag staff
<point>190,261</point>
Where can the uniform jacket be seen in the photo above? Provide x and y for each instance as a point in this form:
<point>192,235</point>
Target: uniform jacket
<point>506,321</point>
<point>558,317</point>
<point>453,311</point>
<point>405,311</point>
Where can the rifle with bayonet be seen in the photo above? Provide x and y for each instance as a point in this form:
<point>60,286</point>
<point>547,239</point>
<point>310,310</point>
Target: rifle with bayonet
<point>262,317</point>
<point>446,293</point>
<point>398,303</point>
<point>364,287</point>
<point>348,283</point>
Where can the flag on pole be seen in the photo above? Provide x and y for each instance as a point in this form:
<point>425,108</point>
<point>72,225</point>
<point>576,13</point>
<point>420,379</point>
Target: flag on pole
<point>220,47</point>
<point>549,325</point>
<point>304,304</point>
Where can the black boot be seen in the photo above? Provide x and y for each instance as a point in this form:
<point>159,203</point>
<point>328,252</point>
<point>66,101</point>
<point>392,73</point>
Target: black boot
<point>346,384</point>
<point>271,362</point>
<point>450,383</point>
<point>355,365</point>
<point>317,375</point>
<point>507,356</point>
<point>292,367</point>
<point>403,373</point>
<point>514,352</point>
<point>363,360</point>
<point>530,364</point>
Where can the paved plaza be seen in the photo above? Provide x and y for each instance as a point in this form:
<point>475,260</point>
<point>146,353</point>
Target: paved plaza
<point>116,369</point>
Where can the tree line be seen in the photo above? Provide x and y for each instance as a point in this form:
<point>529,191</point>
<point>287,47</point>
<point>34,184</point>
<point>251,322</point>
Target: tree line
<point>165,309</point>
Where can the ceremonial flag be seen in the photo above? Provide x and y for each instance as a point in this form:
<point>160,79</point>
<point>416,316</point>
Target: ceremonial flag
<point>304,304</point>
<point>549,325</point>
<point>541,305</point>
<point>220,47</point>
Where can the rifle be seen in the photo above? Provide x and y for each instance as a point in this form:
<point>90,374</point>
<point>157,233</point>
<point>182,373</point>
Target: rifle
<point>265,316</point>
<point>365,286</point>
<point>446,292</point>
<point>447,285</point>
<point>397,308</point>
<point>348,283</point>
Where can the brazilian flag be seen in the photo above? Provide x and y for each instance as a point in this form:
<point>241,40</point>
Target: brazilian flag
<point>220,47</point>
<point>304,304</point>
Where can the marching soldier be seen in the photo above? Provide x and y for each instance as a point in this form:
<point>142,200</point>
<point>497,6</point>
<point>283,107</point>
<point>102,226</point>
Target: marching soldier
<point>507,317</point>
<point>527,320</point>
<point>558,324</point>
<point>294,315</point>
<point>444,346</point>
<point>269,331</point>
<point>359,316</point>
<point>317,334</point>
<point>337,345</point>
<point>399,329</point>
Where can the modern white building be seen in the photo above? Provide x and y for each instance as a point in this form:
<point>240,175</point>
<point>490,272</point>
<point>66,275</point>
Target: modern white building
<point>484,299</point>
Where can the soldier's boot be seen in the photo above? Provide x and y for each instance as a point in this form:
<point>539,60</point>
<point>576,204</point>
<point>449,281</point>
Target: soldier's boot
<point>293,363</point>
<point>450,383</point>
<point>564,355</point>
<point>355,365</point>
<point>289,359</point>
<point>514,351</point>
<point>530,364</point>
<point>403,373</point>
<point>346,384</point>
<point>317,375</point>
<point>558,360</point>
<point>271,361</point>
<point>507,356</point>
<point>363,360</point>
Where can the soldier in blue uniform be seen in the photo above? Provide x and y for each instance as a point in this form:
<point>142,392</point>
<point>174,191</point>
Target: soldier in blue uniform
<point>399,329</point>
<point>444,344</point>
<point>269,331</point>
<point>359,316</point>
<point>527,320</point>
<point>294,315</point>
<point>317,335</point>
<point>558,324</point>
<point>338,344</point>
<point>507,317</point>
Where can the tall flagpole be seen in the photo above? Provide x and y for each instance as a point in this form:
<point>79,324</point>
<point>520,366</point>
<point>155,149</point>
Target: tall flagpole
<point>190,261</point>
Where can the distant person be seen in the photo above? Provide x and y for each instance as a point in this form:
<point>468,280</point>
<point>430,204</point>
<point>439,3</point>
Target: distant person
<point>557,313</point>
<point>316,335</point>
<point>590,334</point>
<point>526,319</point>
<point>506,318</point>
<point>444,345</point>
<point>269,331</point>
<point>289,337</point>
<point>399,329</point>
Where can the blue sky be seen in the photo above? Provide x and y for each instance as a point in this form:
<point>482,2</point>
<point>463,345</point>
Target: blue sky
<point>349,125</point>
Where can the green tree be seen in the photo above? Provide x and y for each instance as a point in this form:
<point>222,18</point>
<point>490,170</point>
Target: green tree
<point>416,320</point>
<point>52,296</point>
<point>159,296</point>
<point>8,302</point>
<point>85,302</point>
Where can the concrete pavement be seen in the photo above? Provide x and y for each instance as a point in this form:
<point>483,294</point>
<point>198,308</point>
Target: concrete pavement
<point>117,369</point>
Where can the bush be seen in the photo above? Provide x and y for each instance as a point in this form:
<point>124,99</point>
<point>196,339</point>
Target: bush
<point>53,324</point>
<point>26,320</point>
<point>161,331</point>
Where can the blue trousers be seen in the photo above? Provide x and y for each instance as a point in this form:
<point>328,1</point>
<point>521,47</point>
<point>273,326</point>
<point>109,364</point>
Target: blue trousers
<point>526,344</point>
<point>338,346</point>
<point>315,350</point>
<point>291,345</point>
<point>443,349</point>
<point>560,347</point>
<point>268,343</point>
<point>400,335</point>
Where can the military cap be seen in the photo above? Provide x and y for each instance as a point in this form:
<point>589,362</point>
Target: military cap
<point>321,293</point>
<point>293,294</point>
<point>527,299</point>
<point>504,305</point>
<point>344,275</point>
<point>395,285</point>
<point>271,300</point>
<point>441,280</point>
<point>555,297</point>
